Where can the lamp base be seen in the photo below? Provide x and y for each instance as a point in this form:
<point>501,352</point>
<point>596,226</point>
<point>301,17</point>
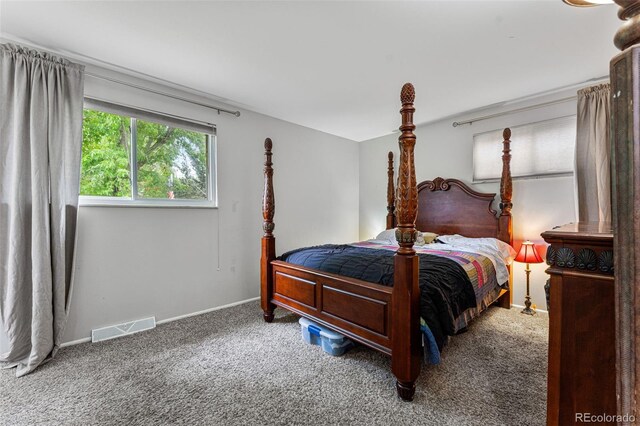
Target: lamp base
<point>527,299</point>
<point>528,311</point>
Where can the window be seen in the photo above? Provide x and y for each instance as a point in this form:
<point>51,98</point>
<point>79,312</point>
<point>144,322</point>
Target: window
<point>546,148</point>
<point>142,158</point>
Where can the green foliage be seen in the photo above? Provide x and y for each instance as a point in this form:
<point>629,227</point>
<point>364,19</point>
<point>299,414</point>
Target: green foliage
<point>105,155</point>
<point>171,162</point>
<point>171,159</point>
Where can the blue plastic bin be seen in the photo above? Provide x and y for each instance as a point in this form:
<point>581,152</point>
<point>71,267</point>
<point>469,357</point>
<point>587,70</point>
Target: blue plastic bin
<point>332,343</point>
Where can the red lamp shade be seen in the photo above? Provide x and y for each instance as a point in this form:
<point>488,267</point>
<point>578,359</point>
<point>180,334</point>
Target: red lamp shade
<point>528,253</point>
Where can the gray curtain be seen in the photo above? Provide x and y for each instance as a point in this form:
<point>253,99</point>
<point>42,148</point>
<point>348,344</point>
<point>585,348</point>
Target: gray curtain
<point>593,176</point>
<point>41,99</point>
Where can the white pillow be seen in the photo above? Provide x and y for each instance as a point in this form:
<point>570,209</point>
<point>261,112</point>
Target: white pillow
<point>387,235</point>
<point>507,253</point>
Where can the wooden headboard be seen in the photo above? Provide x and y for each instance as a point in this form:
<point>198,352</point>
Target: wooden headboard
<point>449,206</point>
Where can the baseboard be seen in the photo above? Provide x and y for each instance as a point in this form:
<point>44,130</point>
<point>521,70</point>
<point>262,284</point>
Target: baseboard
<point>166,320</point>
<point>206,311</point>
<point>76,342</point>
<point>522,307</point>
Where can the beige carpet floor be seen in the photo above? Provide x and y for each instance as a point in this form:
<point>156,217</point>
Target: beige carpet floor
<point>228,367</point>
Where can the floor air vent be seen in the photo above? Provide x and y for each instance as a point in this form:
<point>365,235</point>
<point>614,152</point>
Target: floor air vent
<point>118,330</point>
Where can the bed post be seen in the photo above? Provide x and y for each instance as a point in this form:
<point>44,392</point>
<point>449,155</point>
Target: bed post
<point>625,198</point>
<point>406,348</point>
<point>391,208</point>
<point>268,240</point>
<point>506,220</point>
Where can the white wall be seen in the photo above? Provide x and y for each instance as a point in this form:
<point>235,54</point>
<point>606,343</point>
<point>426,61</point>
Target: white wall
<point>442,150</point>
<point>137,262</point>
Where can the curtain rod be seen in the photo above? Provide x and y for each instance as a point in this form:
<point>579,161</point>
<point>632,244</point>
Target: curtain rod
<point>513,111</point>
<point>530,107</point>
<point>158,92</point>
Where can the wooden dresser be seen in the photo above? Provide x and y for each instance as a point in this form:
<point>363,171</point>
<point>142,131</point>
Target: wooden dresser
<point>582,351</point>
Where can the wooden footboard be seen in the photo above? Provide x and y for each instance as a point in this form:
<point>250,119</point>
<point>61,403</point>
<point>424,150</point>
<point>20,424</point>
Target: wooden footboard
<point>355,308</point>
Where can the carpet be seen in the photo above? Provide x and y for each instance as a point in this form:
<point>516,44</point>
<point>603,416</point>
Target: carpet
<point>228,367</point>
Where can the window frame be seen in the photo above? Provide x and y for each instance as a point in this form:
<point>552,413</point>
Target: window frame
<point>134,200</point>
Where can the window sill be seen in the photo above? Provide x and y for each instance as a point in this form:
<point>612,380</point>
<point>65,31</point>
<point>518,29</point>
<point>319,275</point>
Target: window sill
<point>122,202</point>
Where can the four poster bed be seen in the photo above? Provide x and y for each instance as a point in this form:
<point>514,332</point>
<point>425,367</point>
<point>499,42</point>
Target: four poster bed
<point>387,317</point>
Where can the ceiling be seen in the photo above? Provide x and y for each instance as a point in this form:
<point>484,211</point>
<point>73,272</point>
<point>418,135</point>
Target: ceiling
<point>334,66</point>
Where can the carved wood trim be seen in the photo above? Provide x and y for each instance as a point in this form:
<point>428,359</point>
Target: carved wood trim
<point>581,258</point>
<point>391,208</point>
<point>506,191</point>
<point>441,184</point>
<point>268,198</point>
<point>406,189</point>
<point>506,184</point>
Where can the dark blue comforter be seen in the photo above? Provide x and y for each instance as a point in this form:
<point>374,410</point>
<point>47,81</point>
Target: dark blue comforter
<point>445,288</point>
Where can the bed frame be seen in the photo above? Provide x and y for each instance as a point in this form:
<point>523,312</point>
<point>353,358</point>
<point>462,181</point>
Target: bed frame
<point>386,318</point>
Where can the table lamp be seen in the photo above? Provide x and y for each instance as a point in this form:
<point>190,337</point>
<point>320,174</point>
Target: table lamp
<point>528,254</point>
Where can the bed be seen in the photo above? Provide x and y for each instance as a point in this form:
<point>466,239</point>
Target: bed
<point>387,317</point>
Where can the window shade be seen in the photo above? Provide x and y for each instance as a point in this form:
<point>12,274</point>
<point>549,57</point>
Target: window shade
<point>537,149</point>
<point>166,119</point>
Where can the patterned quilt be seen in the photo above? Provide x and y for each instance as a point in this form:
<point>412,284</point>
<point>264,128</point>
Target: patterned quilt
<point>479,268</point>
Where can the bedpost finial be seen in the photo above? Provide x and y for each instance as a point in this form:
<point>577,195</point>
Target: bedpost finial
<point>406,204</point>
<point>627,35</point>
<point>390,155</point>
<point>506,188</point>
<point>408,94</point>
<point>268,198</point>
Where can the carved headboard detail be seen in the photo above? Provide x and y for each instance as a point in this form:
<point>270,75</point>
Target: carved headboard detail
<point>449,206</point>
